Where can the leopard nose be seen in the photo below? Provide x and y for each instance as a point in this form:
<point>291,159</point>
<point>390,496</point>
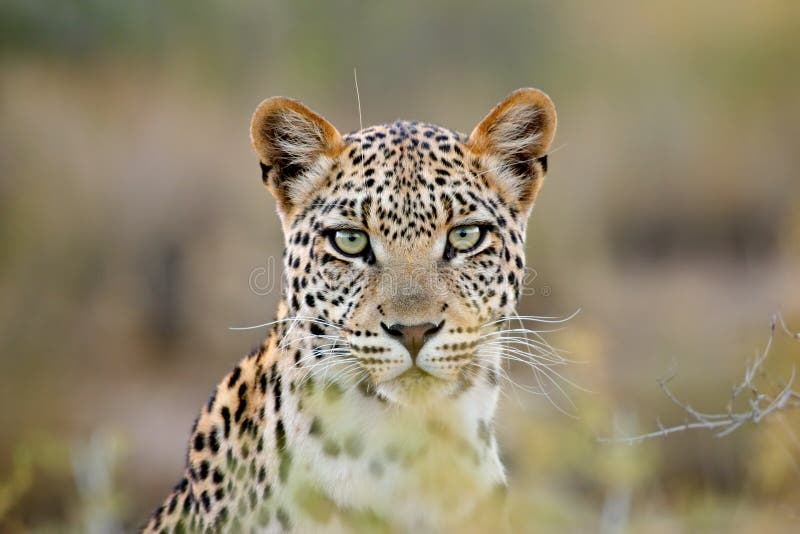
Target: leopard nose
<point>413,337</point>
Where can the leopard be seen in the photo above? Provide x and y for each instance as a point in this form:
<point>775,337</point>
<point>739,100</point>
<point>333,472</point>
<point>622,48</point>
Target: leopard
<point>370,404</point>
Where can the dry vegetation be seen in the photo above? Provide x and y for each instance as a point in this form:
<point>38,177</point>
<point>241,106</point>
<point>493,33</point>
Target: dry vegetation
<point>755,398</point>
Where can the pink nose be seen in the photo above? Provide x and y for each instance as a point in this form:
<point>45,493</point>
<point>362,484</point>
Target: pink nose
<point>413,337</point>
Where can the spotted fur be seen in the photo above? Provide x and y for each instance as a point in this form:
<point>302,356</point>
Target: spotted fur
<point>332,424</point>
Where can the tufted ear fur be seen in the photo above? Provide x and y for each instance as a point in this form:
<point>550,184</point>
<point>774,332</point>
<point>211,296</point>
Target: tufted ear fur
<point>295,146</point>
<point>515,136</point>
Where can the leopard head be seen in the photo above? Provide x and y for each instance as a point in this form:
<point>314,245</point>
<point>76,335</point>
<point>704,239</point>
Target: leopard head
<point>405,241</point>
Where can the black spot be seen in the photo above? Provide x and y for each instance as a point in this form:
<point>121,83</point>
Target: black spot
<point>316,330</point>
<point>173,503</point>
<point>237,372</point>
<point>273,372</point>
<point>242,403</point>
<point>213,441</point>
<point>187,503</point>
<point>204,470</point>
<point>262,383</point>
<point>277,393</point>
<point>211,400</point>
<point>353,446</point>
<point>226,420</point>
<point>280,435</point>
<point>199,441</point>
<point>316,427</point>
<point>331,448</point>
<point>283,518</point>
<point>222,518</point>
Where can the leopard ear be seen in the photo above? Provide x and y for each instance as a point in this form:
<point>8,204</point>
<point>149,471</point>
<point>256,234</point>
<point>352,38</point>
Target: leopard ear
<point>515,137</point>
<point>296,147</point>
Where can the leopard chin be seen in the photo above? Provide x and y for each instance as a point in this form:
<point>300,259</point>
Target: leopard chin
<point>416,387</point>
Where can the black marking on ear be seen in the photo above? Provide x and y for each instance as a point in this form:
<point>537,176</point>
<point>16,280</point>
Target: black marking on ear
<point>543,162</point>
<point>522,166</point>
<point>264,170</point>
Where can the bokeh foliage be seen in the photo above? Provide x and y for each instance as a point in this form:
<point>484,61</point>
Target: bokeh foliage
<point>132,216</point>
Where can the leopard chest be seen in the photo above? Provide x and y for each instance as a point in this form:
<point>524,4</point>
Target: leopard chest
<point>353,454</point>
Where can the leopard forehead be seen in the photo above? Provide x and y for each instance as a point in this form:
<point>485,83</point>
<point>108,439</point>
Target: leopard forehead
<point>405,181</point>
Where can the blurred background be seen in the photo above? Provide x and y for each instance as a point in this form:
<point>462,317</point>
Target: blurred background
<point>132,215</point>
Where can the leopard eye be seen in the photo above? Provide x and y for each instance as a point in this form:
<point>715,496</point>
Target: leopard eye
<point>350,242</point>
<point>467,237</point>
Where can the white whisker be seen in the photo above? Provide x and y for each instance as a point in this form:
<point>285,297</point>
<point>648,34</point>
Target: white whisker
<point>534,318</point>
<point>286,320</point>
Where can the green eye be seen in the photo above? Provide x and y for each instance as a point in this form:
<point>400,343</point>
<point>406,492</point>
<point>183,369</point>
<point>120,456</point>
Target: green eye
<point>465,237</point>
<point>350,242</point>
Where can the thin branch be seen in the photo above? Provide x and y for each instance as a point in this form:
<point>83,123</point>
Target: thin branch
<point>760,404</point>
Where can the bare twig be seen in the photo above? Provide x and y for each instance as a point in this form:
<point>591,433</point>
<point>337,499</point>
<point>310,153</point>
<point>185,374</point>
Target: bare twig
<point>760,403</point>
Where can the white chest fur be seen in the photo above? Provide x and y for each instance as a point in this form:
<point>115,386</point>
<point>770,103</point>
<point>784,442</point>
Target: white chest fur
<point>356,459</point>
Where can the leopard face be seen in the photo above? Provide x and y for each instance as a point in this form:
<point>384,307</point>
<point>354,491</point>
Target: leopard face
<point>404,242</point>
